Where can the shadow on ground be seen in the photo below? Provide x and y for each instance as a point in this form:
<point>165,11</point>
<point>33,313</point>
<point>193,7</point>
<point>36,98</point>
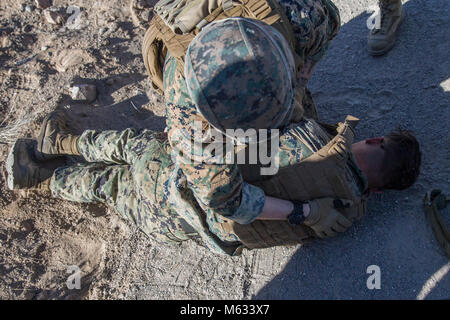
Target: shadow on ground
<point>128,111</point>
<point>409,87</point>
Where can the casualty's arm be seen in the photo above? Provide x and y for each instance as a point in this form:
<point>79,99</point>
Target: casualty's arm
<point>321,214</point>
<point>279,209</point>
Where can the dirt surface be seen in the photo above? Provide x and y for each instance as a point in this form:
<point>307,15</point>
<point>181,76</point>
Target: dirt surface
<point>41,237</point>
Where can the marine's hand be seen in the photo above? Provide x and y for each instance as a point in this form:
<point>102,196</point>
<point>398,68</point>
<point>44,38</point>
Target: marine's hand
<point>325,220</point>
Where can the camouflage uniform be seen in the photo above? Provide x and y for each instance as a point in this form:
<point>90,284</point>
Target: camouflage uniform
<point>315,24</point>
<point>167,197</point>
<point>219,188</point>
<point>132,171</point>
<point>128,171</point>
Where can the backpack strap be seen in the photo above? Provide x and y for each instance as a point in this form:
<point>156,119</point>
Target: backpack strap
<point>433,202</point>
<point>159,39</point>
<point>253,9</point>
<point>260,10</point>
<point>176,44</point>
<point>154,55</point>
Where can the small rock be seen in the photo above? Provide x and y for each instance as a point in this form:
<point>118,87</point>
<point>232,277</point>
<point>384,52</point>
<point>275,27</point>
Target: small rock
<point>102,31</point>
<point>29,8</point>
<point>44,48</point>
<point>84,93</point>
<point>53,17</point>
<point>43,4</point>
<point>6,42</point>
<point>67,59</point>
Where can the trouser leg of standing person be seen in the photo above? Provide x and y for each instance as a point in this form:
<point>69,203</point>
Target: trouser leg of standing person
<point>324,25</point>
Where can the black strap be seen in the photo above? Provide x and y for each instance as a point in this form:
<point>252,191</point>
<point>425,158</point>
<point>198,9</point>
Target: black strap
<point>433,202</point>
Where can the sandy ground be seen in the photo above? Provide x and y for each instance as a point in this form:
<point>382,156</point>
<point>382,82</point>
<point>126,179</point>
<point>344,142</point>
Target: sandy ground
<point>41,237</point>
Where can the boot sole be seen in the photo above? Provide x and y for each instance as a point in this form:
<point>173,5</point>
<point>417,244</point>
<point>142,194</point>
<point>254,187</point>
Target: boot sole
<point>382,52</point>
<point>40,155</point>
<point>13,166</point>
<point>391,45</point>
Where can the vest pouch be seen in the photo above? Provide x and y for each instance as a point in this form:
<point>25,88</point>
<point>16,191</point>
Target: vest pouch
<point>154,52</point>
<point>181,16</point>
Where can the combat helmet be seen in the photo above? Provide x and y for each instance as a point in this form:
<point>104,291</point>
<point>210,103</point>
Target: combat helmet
<point>240,75</point>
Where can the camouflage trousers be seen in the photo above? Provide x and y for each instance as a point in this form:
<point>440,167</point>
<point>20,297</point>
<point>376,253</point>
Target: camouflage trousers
<point>123,172</point>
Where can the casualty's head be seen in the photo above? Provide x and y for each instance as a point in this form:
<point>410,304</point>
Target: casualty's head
<point>389,162</point>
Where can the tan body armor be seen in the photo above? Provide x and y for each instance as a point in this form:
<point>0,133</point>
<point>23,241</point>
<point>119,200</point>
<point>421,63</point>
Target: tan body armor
<point>167,33</point>
<point>323,174</point>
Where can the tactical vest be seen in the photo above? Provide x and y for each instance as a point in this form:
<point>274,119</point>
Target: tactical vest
<point>176,22</point>
<point>323,174</point>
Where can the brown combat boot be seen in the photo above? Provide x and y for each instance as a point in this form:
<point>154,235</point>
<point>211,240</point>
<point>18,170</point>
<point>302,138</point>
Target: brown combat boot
<point>25,172</point>
<point>54,140</point>
<point>383,39</point>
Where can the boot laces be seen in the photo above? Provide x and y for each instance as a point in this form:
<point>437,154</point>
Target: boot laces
<point>386,8</point>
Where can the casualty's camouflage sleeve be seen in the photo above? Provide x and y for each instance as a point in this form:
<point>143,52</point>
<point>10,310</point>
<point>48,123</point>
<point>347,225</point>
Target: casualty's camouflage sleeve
<point>218,187</point>
<point>315,23</point>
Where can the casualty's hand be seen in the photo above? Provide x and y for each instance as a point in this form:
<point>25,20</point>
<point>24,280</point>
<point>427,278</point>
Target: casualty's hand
<point>324,219</point>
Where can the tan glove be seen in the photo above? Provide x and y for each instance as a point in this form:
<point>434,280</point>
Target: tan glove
<point>324,219</point>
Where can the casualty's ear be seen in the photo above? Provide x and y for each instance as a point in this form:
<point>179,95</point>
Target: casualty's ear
<point>377,140</point>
